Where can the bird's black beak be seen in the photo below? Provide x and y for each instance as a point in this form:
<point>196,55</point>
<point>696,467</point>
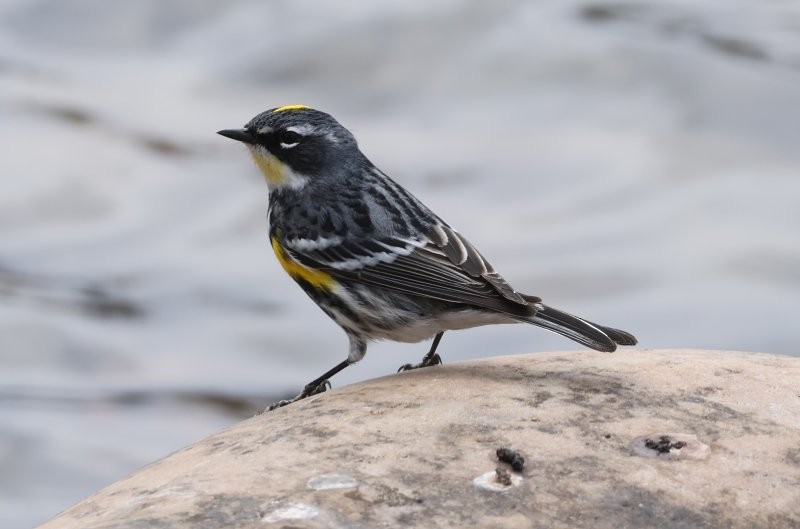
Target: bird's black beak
<point>242,135</point>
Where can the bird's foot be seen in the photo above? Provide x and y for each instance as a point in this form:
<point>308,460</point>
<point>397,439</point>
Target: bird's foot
<point>313,388</point>
<point>428,361</point>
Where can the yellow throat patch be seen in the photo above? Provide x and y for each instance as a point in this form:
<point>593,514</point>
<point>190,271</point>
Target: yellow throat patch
<point>289,107</point>
<point>273,169</point>
<point>299,272</point>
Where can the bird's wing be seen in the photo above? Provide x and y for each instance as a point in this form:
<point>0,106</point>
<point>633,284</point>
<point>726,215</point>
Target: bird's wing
<point>461,253</point>
<point>442,266</point>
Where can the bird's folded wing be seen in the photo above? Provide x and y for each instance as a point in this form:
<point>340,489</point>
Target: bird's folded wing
<point>419,267</point>
<point>461,252</point>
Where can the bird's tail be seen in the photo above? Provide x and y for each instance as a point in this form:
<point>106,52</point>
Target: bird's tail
<point>584,332</point>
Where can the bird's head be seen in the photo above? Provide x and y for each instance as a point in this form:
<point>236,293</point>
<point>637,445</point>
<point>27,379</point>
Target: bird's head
<point>295,144</point>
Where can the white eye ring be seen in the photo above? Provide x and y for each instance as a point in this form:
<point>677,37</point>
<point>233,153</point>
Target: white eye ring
<point>289,145</point>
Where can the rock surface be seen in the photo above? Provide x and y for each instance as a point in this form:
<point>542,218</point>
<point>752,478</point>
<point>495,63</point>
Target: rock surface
<point>639,438</point>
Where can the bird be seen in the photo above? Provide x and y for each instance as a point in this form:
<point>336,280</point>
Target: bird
<point>371,255</point>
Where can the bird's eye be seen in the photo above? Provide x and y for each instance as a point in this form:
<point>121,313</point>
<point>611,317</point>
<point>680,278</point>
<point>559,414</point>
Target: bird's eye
<point>289,138</point>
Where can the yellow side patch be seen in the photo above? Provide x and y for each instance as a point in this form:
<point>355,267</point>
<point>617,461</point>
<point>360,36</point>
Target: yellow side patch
<point>290,107</point>
<point>316,278</point>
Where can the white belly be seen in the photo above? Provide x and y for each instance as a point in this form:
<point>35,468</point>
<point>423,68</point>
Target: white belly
<point>424,329</point>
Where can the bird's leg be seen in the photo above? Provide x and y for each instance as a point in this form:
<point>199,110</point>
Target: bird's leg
<point>430,359</point>
<point>316,386</point>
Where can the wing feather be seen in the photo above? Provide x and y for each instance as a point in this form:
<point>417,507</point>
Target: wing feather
<point>427,268</point>
<point>462,253</point>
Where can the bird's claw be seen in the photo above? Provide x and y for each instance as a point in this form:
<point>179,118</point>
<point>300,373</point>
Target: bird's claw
<point>315,389</point>
<point>308,391</point>
<point>434,360</point>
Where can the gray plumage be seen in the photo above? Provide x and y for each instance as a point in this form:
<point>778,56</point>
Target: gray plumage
<point>400,271</point>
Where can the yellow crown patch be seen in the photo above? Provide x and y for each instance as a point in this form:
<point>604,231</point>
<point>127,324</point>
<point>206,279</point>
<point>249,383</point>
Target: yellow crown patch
<point>290,107</point>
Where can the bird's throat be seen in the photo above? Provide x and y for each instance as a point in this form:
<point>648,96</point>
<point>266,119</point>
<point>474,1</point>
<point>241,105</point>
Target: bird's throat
<point>276,172</point>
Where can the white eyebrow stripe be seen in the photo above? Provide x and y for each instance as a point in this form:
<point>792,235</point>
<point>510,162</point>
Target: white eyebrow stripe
<point>264,130</point>
<point>304,129</point>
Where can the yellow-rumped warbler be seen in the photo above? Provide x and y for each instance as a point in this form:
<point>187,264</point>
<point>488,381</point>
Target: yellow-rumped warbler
<point>372,256</point>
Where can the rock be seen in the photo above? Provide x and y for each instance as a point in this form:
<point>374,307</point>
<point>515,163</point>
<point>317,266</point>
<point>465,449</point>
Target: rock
<point>638,438</point>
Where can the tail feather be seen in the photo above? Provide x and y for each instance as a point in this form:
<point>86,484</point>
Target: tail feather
<point>619,336</point>
<point>584,332</point>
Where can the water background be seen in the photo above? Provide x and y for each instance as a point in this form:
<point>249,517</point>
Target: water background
<point>637,163</point>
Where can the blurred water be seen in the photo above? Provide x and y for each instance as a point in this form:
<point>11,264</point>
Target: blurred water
<point>633,162</point>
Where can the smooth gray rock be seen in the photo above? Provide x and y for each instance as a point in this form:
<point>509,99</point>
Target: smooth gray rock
<point>418,449</point>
